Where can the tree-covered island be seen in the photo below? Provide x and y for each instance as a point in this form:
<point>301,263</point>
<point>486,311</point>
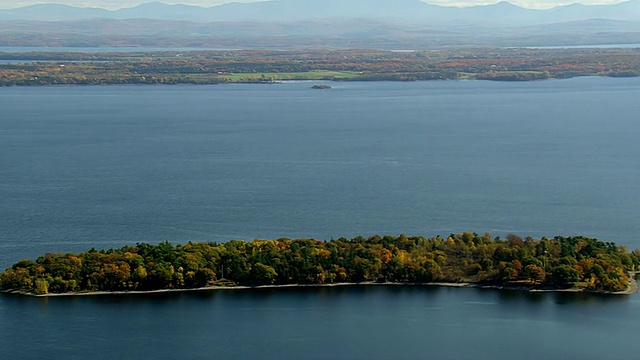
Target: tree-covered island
<point>577,263</point>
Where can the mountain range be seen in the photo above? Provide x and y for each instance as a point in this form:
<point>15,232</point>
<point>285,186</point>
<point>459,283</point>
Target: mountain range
<point>331,23</point>
<point>299,10</point>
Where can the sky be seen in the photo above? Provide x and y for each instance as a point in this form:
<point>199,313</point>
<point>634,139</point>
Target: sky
<point>116,4</point>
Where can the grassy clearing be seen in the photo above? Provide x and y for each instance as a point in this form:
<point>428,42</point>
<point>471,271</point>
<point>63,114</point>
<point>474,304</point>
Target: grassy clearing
<point>466,76</point>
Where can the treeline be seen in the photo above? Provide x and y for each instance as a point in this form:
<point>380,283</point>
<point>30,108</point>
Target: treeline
<point>466,257</point>
<point>212,67</point>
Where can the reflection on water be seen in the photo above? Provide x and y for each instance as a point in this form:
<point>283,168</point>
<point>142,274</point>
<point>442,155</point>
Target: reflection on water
<point>368,322</point>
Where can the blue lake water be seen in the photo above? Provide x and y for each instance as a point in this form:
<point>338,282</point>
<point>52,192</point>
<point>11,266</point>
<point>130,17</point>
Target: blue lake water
<point>105,49</point>
<point>323,323</point>
<point>86,167</point>
<point>16,61</point>
<point>106,166</point>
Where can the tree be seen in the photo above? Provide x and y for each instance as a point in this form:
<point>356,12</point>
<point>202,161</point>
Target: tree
<point>565,274</point>
<point>535,273</point>
<point>263,274</point>
<point>42,286</point>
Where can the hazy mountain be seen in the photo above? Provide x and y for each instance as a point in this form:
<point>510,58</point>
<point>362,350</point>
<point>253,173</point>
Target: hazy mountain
<point>392,24</point>
<point>299,10</point>
<point>288,10</point>
<point>626,11</point>
<point>53,12</point>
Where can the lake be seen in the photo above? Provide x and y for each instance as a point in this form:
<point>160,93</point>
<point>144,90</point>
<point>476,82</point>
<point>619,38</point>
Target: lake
<point>105,49</point>
<point>107,166</point>
<point>323,323</point>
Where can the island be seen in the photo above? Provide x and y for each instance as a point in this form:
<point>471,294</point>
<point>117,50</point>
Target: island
<point>574,263</point>
<point>271,66</point>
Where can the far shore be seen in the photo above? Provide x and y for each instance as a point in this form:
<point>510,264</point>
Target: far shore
<point>633,288</point>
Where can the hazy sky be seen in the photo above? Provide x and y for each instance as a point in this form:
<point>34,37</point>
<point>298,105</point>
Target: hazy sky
<point>115,4</point>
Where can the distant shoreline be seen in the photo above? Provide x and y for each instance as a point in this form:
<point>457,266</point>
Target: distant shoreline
<point>633,288</point>
<point>265,67</point>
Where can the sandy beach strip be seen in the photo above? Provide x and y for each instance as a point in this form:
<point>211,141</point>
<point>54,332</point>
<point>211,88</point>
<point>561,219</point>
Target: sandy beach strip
<point>631,289</point>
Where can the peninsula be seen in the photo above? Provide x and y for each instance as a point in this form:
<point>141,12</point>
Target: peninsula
<point>464,259</point>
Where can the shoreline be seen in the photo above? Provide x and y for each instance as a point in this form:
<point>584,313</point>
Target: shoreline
<point>276,82</point>
<point>632,288</point>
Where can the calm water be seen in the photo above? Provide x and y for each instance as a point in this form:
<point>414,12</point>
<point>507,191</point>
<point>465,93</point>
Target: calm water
<point>596,46</point>
<point>84,167</point>
<point>105,49</point>
<point>327,323</point>
<point>100,167</point>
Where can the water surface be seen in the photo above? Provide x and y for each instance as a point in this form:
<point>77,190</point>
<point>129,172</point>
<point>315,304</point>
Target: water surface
<point>323,323</point>
<point>106,166</point>
<point>102,167</point>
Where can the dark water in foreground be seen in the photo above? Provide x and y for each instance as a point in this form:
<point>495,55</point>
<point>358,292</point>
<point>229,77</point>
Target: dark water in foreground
<point>323,323</point>
<point>84,167</point>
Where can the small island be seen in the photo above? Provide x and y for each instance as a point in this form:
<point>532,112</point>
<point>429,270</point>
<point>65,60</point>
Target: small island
<point>465,259</point>
<point>321,87</point>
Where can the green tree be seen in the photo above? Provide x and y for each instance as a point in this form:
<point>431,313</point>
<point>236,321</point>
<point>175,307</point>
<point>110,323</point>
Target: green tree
<point>565,274</point>
<point>262,274</point>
